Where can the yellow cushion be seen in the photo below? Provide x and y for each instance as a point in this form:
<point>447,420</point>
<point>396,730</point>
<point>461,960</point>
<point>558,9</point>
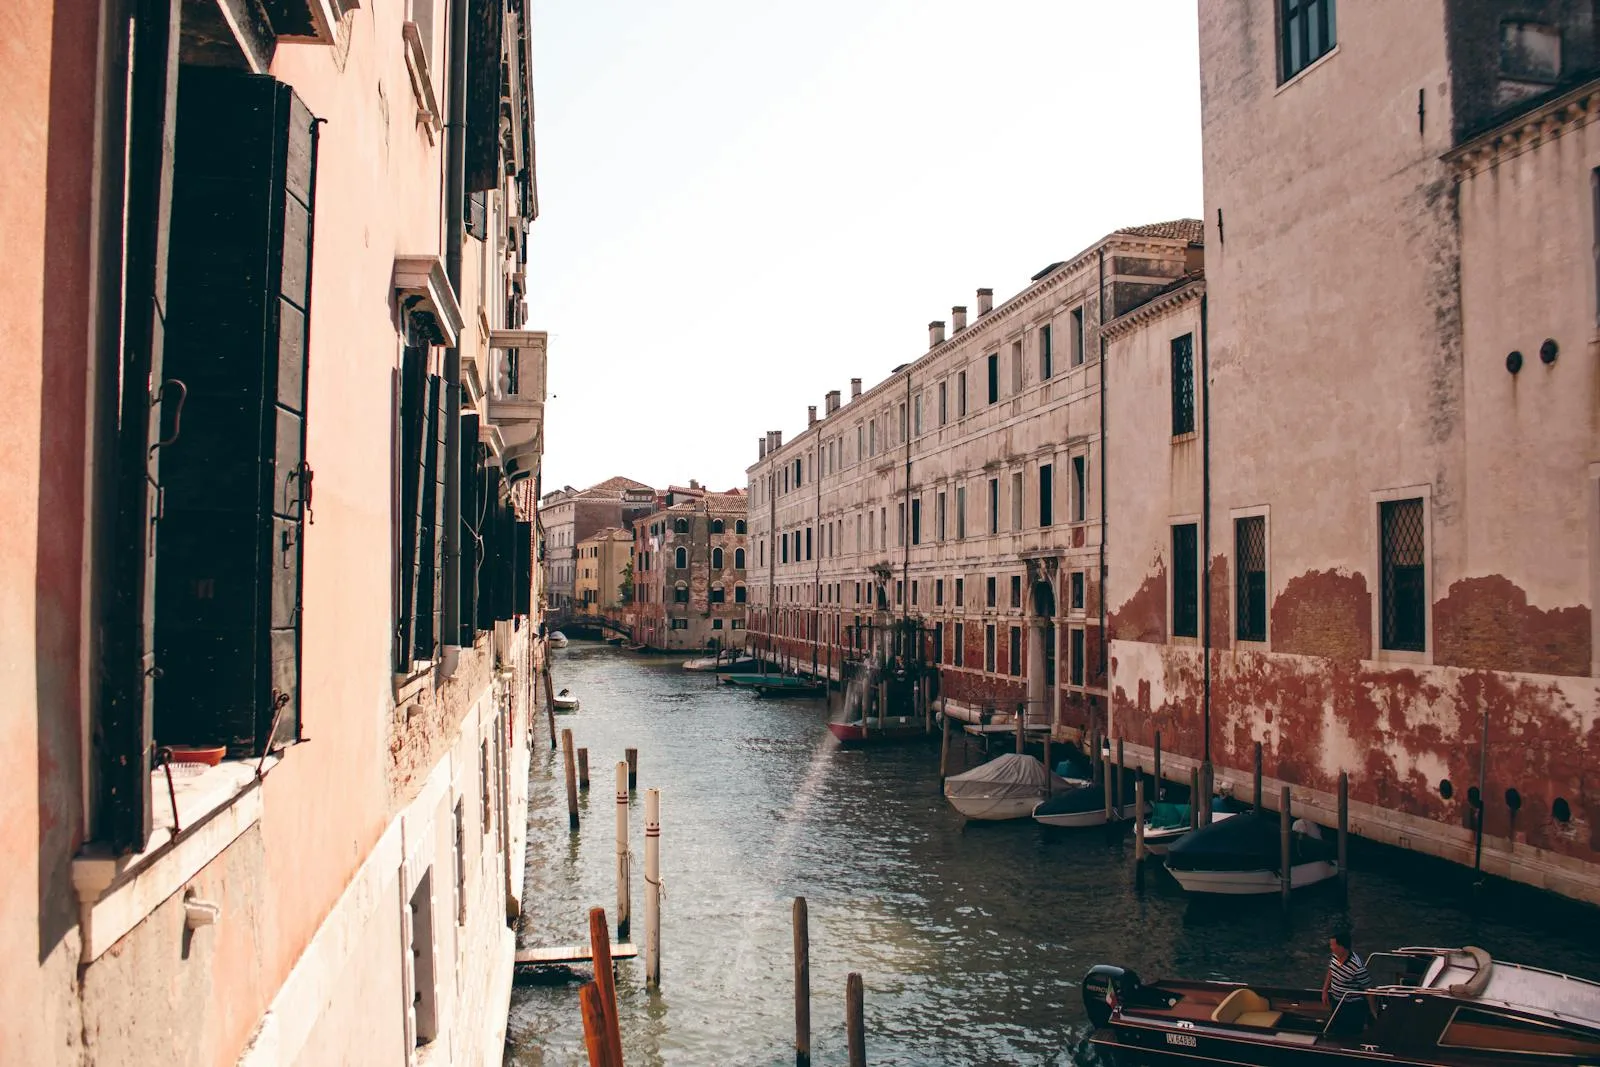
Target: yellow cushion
<point>1238,1003</point>
<point>1263,1019</point>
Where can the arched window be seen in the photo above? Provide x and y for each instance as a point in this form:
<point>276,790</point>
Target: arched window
<point>738,559</point>
<point>680,558</point>
<point>716,559</point>
<point>716,526</point>
<point>738,526</point>
<point>680,525</point>
<point>739,594</point>
<point>680,594</point>
<point>717,595</point>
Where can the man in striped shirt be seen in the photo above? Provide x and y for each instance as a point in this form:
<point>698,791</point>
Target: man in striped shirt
<point>1347,974</point>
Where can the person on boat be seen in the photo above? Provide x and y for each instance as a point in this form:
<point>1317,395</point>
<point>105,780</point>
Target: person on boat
<point>1347,974</point>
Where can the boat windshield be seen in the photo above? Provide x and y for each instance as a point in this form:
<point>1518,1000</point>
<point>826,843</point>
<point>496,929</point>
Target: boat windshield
<point>1398,968</point>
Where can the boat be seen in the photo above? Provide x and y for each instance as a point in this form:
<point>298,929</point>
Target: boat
<point>558,639</point>
<point>1427,1007</point>
<point>1084,805</point>
<point>564,701</point>
<point>1168,823</point>
<point>888,728</point>
<point>721,663</point>
<point>1241,856</point>
<point>1007,787</point>
<point>787,686</point>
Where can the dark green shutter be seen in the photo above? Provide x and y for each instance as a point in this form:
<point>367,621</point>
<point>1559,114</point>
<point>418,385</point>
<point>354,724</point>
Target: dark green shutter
<point>485,43</point>
<point>234,481</point>
<point>413,392</point>
<point>430,522</point>
<point>471,505</point>
<point>489,529</point>
<point>522,580</point>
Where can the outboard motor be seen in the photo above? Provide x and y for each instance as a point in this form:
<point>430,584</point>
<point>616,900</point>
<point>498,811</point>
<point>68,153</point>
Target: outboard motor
<point>1104,986</point>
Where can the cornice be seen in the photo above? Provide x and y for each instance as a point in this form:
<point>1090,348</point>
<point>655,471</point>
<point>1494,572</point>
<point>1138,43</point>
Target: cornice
<point>1154,309</point>
<point>1526,132</point>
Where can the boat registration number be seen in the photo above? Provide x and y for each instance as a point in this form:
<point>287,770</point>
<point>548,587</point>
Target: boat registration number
<point>1184,1040</point>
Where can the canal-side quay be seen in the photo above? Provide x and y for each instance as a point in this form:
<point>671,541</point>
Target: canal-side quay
<point>972,939</point>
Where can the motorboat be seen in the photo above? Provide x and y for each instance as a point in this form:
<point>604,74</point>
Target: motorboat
<point>565,700</point>
<point>558,639</point>
<point>1241,856</point>
<point>782,685</point>
<point>1427,1007</point>
<point>1007,787</point>
<point>720,663</point>
<point>1085,806</point>
<point>861,731</point>
<point>1168,823</point>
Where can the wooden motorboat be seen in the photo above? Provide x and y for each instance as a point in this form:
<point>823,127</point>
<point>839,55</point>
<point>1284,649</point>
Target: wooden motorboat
<point>876,730</point>
<point>1007,787</point>
<point>565,701</point>
<point>1428,1007</point>
<point>784,686</point>
<point>719,664</point>
<point>1241,856</point>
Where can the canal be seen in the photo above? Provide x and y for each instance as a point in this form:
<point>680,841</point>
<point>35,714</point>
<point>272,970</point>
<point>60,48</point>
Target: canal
<point>971,939</point>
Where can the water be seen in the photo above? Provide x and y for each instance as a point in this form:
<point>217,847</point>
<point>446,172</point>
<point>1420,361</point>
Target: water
<point>971,939</point>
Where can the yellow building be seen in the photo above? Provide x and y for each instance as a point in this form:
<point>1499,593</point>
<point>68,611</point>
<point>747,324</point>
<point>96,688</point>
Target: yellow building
<point>599,570</point>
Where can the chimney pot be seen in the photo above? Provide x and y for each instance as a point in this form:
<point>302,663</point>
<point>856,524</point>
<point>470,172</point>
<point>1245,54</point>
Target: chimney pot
<point>811,415</point>
<point>855,388</point>
<point>958,320</point>
<point>985,302</point>
<point>831,402</point>
<point>935,334</point>
<point>761,448</point>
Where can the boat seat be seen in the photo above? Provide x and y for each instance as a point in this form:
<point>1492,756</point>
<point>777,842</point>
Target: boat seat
<point>1246,1007</point>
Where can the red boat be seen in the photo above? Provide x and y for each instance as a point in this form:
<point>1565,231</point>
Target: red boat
<point>891,728</point>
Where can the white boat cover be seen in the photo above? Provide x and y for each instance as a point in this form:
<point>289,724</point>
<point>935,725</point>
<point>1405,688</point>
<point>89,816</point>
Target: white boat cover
<point>1011,775</point>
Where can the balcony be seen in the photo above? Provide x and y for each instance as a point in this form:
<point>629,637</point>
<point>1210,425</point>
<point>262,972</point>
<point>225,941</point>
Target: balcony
<point>514,399</point>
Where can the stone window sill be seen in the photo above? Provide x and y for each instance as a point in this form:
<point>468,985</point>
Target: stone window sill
<point>215,806</point>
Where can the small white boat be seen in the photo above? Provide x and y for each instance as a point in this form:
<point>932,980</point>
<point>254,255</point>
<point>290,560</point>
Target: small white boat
<point>1080,808</point>
<point>1240,856</point>
<point>565,701</point>
<point>558,639</point>
<point>1009,787</point>
<point>1168,824</point>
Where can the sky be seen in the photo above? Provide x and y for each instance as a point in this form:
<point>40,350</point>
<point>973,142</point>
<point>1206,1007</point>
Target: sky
<point>743,205</point>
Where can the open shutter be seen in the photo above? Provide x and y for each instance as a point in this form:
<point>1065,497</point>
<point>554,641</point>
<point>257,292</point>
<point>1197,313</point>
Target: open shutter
<point>471,521</point>
<point>485,43</point>
<point>413,393</point>
<point>430,508</point>
<point>522,579</point>
<point>234,480</point>
<point>489,529</point>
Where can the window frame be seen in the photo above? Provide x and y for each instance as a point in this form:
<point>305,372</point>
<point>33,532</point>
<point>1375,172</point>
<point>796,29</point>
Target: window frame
<point>1381,650</point>
<point>1182,382</point>
<point>1192,615</point>
<point>1295,15</point>
<point>1239,516</point>
<point>994,377</point>
<point>1046,353</point>
<point>1047,490</point>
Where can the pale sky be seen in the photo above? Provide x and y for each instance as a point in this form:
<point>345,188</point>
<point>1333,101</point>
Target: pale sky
<point>746,203</point>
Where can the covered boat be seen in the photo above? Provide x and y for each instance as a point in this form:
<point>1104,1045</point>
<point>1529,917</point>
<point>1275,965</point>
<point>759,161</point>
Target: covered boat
<point>1427,1007</point>
<point>1085,805</point>
<point>1241,856</point>
<point>1168,822</point>
<point>1005,788</point>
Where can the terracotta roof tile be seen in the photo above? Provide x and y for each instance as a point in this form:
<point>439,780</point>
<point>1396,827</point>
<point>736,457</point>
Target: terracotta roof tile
<point>1191,230</point>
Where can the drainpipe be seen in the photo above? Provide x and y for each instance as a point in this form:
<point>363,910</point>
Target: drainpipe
<point>816,581</point>
<point>1205,532</point>
<point>1100,579</point>
<point>455,205</point>
<point>905,535</point>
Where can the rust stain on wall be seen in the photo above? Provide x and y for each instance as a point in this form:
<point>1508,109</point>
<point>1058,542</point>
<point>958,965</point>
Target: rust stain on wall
<point>1143,616</point>
<point>1324,613</point>
<point>1488,623</point>
<point>1220,633</point>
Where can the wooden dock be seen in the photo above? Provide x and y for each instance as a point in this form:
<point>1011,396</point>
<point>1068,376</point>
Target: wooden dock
<point>565,954</point>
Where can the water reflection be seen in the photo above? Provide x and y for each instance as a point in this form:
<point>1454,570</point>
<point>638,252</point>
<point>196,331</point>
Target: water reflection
<point>971,938</point>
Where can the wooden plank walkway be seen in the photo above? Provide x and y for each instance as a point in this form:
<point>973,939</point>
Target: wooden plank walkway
<point>561,954</point>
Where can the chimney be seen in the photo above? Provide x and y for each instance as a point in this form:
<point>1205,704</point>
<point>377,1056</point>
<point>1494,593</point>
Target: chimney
<point>831,402</point>
<point>777,441</point>
<point>855,388</point>
<point>958,320</point>
<point>811,415</point>
<point>935,334</point>
<point>761,448</point>
<point>985,302</point>
<point>693,484</point>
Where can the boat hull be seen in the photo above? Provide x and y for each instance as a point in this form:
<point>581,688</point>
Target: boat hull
<point>1254,883</point>
<point>995,809</point>
<point>1080,820</point>
<point>857,733</point>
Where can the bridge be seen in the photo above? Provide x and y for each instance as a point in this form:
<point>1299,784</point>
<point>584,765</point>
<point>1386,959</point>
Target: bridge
<point>573,624</point>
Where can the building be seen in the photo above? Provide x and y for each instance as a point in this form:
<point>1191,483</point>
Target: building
<point>964,495</point>
<point>570,515</point>
<point>690,561</point>
<point>250,257</point>
<point>1375,554</point>
<point>603,571</point>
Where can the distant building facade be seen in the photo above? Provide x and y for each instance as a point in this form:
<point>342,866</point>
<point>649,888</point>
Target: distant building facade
<point>570,515</point>
<point>602,569</point>
<point>690,562</point>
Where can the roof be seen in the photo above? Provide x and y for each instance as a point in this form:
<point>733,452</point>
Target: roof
<point>1191,230</point>
<point>612,487</point>
<point>613,533</point>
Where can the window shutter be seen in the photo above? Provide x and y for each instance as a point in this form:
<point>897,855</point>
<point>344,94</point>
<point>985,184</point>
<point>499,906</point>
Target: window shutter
<point>430,519</point>
<point>489,530</point>
<point>523,578</point>
<point>485,42</point>
<point>235,483</point>
<point>505,562</point>
<point>413,389</point>
<point>476,212</point>
<point>471,525</point>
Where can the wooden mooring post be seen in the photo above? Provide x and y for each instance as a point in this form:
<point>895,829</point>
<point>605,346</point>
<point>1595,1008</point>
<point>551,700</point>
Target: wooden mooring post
<point>1105,776</point>
<point>1156,773</point>
<point>854,1025</point>
<point>550,705</point>
<point>1121,803</point>
<point>1138,832</point>
<point>652,888</point>
<point>944,747</point>
<point>572,779</point>
<point>1344,832</point>
<point>802,985</point>
<point>624,857</point>
<point>633,769</point>
<point>583,770</point>
<point>1194,798</point>
<point>1285,847</point>
<point>594,1025</point>
<point>1255,793</point>
<point>605,980</point>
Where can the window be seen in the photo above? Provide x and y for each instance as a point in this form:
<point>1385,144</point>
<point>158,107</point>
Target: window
<point>994,377</point>
<point>424,984</point>
<point>1046,495</point>
<point>961,512</point>
<point>989,591</point>
<point>1016,500</point>
<point>899,592</point>
<point>1480,1028</point>
<point>680,593</point>
<point>961,394</point>
<point>904,425</point>
<point>916,415</point>
<point>994,505</point>
<point>716,559</point>
<point>1016,367</point>
<point>1080,488</point>
<point>738,624</point>
<point>883,527</point>
<point>1046,355</point>
<point>861,446</point>
<point>988,647</point>
<point>680,526</point>
<point>716,624</point>
<point>938,592</point>
<point>915,585</point>
<point>961,652</point>
<point>680,558</point>
<point>938,517</point>
<point>1185,582</point>
<point>1250,593</point>
<point>783,542</point>
<point>680,624</point>
<point>872,437</point>
<point>1016,590</point>
<point>916,521</point>
<point>1405,601</point>
<point>1183,385</point>
<point>738,559</point>
<point>739,527</point>
<point>960,598</point>
<point>1015,664</point>
<point>1077,591</point>
<point>808,544</point>
<point>718,596</point>
<point>1077,336</point>
<point>938,642</point>
<point>761,553</point>
<point>739,594</point>
<point>716,526</point>
<point>1308,33</point>
<point>944,404</point>
<point>1075,657</point>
